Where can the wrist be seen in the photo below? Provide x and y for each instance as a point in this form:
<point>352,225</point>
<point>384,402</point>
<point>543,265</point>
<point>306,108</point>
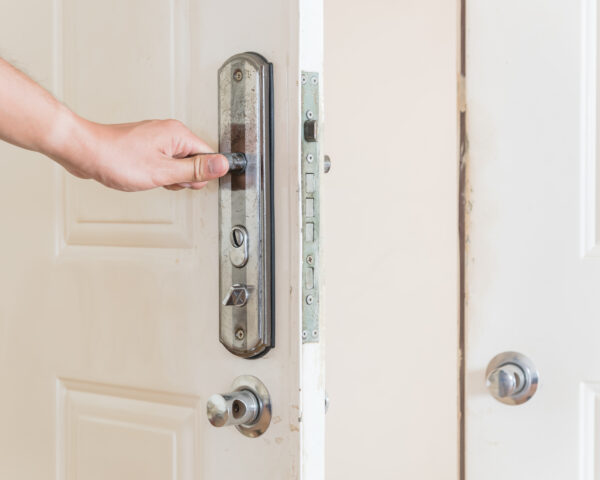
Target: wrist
<point>68,138</point>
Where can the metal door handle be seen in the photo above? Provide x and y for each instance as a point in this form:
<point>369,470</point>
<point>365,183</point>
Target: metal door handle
<point>237,408</point>
<point>247,407</point>
<point>511,378</point>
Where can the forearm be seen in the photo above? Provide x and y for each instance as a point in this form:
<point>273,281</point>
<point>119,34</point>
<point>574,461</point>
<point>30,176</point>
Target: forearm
<point>29,116</point>
<point>133,156</point>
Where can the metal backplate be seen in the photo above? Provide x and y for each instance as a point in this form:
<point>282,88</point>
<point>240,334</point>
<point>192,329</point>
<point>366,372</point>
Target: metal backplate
<point>311,173</point>
<point>254,385</point>
<point>245,207</point>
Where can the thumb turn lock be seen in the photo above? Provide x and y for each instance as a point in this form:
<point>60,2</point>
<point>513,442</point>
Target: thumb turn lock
<point>511,378</point>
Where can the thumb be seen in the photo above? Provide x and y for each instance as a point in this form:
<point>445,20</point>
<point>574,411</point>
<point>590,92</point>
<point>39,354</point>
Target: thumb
<point>199,168</point>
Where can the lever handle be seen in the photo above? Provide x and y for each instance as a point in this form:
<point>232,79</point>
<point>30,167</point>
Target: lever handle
<point>237,161</point>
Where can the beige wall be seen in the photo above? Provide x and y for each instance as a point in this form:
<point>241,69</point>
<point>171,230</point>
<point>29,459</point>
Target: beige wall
<point>391,241</point>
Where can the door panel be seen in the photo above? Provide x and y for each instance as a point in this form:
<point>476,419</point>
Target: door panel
<point>109,343</point>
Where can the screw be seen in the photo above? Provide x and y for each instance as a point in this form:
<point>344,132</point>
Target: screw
<point>310,259</point>
<point>237,75</point>
<point>310,158</point>
<point>309,114</point>
<point>240,334</point>
<point>315,333</point>
<point>303,79</point>
<point>314,80</point>
<point>309,299</point>
<point>304,334</point>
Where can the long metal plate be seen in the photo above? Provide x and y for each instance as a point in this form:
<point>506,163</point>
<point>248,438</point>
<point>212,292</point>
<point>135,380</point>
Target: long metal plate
<point>245,200</point>
<point>311,168</point>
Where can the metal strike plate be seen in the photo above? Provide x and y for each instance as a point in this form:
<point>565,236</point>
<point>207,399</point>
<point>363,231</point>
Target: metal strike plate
<point>246,207</point>
<point>311,198</point>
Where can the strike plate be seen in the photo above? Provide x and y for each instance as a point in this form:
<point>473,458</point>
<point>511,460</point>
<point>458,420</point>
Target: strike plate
<point>246,289</point>
<point>311,181</point>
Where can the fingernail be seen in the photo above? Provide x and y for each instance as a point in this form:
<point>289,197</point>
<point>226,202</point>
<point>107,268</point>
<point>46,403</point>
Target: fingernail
<point>185,185</point>
<point>218,165</point>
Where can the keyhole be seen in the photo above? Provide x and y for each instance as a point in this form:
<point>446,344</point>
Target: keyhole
<point>239,409</point>
<point>237,237</point>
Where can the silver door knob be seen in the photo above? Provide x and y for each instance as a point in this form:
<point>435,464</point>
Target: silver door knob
<point>511,378</point>
<point>237,408</point>
<point>247,407</point>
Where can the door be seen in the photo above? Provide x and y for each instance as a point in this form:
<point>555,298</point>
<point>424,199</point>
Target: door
<point>109,311</point>
<point>533,264</point>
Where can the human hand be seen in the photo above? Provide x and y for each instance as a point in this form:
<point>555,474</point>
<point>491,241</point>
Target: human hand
<point>136,156</point>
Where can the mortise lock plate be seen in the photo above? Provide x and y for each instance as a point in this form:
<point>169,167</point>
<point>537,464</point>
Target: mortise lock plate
<point>246,206</point>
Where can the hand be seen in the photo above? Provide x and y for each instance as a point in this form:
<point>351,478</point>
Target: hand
<point>136,156</point>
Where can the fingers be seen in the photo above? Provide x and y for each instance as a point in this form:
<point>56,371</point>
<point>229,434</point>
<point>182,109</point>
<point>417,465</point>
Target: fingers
<point>196,169</point>
<point>181,186</point>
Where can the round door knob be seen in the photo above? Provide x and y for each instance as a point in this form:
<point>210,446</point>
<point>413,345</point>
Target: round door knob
<point>247,407</point>
<point>237,408</point>
<point>511,378</point>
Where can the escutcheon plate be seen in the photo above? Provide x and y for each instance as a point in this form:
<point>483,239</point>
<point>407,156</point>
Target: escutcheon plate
<point>246,328</point>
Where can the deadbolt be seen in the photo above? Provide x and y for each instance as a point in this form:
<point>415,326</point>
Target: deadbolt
<point>247,407</point>
<point>511,378</point>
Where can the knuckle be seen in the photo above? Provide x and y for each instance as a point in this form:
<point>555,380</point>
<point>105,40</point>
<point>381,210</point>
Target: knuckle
<point>174,124</point>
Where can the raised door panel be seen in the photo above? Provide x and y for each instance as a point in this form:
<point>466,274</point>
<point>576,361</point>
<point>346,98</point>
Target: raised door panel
<point>121,62</point>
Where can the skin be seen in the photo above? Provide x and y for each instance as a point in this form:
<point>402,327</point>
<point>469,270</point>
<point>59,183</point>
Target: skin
<point>128,157</point>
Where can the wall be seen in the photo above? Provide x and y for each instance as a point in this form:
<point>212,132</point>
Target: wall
<point>391,241</point>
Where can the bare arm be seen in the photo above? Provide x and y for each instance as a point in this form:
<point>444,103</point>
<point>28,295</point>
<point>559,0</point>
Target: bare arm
<point>130,157</point>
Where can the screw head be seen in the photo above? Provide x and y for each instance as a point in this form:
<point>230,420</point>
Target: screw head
<point>315,333</point>
<point>303,79</point>
<point>309,114</point>
<point>314,80</point>
<point>310,158</point>
<point>237,75</point>
<point>310,259</point>
<point>240,334</point>
<point>309,299</point>
<point>304,334</point>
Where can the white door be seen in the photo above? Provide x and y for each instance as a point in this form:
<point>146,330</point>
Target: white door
<point>533,236</point>
<point>109,303</point>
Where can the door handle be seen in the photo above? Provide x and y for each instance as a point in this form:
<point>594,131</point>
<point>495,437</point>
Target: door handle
<point>511,378</point>
<point>246,285</point>
<point>247,407</point>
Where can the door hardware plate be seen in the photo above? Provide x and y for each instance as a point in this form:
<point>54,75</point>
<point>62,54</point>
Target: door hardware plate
<point>311,175</point>
<point>246,247</point>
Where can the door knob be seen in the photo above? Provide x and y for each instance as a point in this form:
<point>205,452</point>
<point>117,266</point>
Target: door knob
<point>237,408</point>
<point>247,407</point>
<point>511,378</point>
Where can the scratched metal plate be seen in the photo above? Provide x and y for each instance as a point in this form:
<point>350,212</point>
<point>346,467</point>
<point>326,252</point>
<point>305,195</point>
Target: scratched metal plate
<point>246,199</point>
